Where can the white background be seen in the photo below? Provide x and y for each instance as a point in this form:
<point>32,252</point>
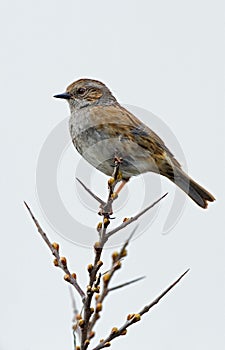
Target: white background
<point>167,57</point>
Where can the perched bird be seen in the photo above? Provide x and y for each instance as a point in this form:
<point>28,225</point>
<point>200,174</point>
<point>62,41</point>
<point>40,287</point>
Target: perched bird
<point>101,129</point>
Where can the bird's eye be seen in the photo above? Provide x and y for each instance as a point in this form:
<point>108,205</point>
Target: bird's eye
<point>81,91</point>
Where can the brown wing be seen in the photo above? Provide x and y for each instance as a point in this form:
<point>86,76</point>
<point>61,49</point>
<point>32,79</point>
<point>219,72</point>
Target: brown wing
<point>117,121</point>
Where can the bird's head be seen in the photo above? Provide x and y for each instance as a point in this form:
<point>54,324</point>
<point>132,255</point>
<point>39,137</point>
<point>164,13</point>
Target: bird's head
<point>86,92</point>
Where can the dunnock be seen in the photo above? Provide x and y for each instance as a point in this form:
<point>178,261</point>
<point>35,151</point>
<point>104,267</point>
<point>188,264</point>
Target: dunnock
<point>102,129</point>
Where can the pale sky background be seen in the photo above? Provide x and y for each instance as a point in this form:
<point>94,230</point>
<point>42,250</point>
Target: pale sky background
<point>168,58</point>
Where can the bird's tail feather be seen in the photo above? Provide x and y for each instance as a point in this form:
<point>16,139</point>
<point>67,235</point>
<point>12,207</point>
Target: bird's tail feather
<point>196,192</point>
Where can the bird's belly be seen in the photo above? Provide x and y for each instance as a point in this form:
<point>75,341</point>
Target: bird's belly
<point>100,150</point>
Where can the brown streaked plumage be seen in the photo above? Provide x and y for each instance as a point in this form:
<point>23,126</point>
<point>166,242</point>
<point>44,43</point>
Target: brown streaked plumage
<point>102,129</point>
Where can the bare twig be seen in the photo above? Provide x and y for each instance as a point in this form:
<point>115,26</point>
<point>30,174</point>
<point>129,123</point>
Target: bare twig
<point>134,218</point>
<point>133,318</point>
<point>129,238</point>
<point>75,327</point>
<point>116,264</point>
<point>126,284</point>
<point>156,300</point>
<point>86,324</point>
<point>74,306</point>
<point>106,210</point>
<point>90,192</point>
<point>60,261</point>
<point>91,289</point>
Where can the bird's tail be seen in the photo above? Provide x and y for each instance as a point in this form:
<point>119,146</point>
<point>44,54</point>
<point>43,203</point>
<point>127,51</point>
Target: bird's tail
<point>196,192</point>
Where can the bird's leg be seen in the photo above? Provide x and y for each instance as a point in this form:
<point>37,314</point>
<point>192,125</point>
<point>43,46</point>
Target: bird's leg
<point>121,186</point>
<point>116,177</point>
<point>112,182</point>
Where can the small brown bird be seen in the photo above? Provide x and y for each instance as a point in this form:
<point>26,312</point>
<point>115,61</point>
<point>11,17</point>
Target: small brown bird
<point>102,129</point>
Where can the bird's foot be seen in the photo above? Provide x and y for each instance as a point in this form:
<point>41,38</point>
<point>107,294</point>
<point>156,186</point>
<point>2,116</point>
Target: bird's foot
<point>106,209</point>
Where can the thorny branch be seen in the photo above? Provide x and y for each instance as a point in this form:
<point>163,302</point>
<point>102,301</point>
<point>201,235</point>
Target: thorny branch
<point>59,261</point>
<point>116,264</point>
<point>90,192</point>
<point>133,318</point>
<point>85,321</point>
<point>134,218</point>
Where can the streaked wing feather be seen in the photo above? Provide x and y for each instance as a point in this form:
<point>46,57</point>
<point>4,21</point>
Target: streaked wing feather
<point>123,123</point>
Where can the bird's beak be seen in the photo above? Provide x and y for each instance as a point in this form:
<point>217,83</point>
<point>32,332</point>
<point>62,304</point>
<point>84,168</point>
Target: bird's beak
<point>64,95</point>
